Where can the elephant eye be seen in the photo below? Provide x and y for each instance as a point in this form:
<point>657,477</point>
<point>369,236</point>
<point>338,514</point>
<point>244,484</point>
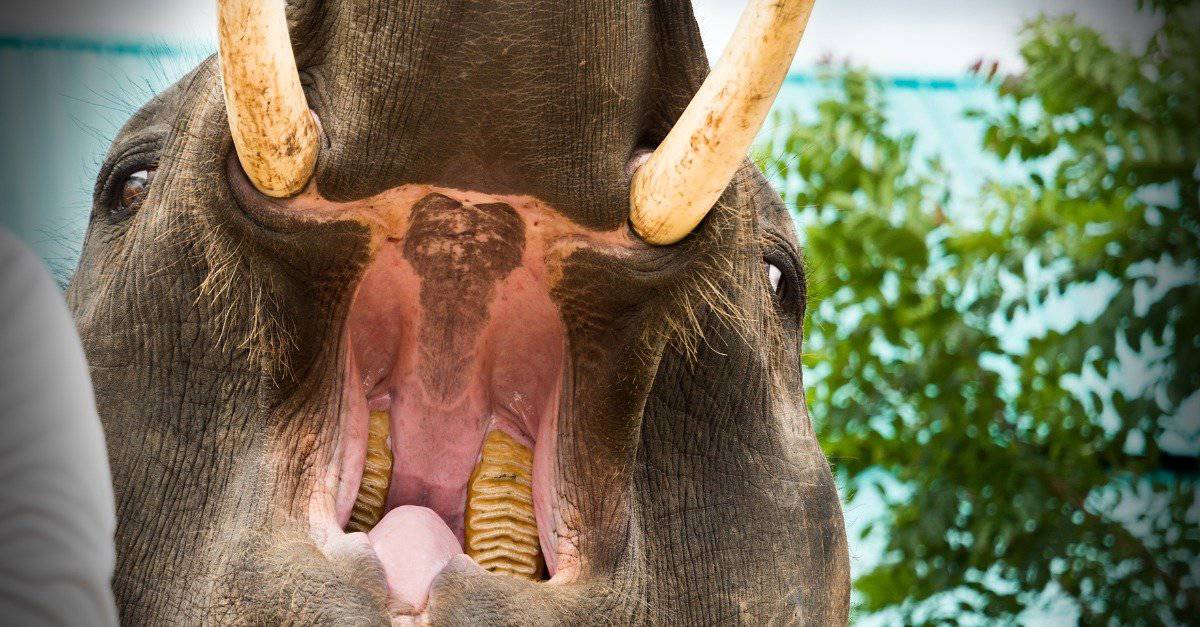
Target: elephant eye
<point>774,278</point>
<point>133,192</point>
<point>785,281</point>
<point>779,281</point>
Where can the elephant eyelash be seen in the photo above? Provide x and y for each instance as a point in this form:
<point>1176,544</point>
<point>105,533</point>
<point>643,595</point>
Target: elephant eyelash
<point>140,156</point>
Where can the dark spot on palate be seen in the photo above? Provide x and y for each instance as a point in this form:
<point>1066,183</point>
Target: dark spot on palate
<point>460,252</point>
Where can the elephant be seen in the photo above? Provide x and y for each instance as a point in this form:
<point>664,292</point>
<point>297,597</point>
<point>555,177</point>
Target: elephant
<point>459,311</point>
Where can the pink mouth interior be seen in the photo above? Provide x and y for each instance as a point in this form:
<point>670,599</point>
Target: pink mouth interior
<point>453,332</point>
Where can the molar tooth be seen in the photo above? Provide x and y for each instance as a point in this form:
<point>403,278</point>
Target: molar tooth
<point>501,531</point>
<point>377,476</point>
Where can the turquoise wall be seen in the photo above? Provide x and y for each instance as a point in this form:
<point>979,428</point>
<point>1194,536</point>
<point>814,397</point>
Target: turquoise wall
<point>63,102</point>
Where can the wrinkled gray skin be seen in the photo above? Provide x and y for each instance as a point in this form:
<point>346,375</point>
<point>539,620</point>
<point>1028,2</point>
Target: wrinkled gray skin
<point>212,326</point>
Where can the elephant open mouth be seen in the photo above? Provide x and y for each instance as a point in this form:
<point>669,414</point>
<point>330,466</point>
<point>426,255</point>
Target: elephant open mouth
<point>455,360</point>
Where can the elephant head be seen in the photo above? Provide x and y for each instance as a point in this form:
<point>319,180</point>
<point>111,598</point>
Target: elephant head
<point>460,311</point>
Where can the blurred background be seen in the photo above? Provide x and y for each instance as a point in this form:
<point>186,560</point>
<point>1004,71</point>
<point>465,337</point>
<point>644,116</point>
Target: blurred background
<point>1000,207</point>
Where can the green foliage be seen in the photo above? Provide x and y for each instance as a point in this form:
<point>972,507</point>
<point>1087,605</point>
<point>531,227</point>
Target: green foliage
<point>1036,472</point>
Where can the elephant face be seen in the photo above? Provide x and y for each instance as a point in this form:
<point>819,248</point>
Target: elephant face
<point>447,379</point>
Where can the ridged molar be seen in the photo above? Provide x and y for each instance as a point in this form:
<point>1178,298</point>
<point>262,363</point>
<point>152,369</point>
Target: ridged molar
<point>377,475</point>
<point>501,531</point>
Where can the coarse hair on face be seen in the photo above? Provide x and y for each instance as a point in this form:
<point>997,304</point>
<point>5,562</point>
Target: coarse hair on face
<point>725,286</point>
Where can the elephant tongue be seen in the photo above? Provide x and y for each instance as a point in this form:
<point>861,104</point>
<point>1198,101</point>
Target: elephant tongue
<point>414,545</point>
<point>501,527</point>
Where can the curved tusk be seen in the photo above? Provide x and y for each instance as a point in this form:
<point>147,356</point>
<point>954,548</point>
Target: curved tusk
<point>273,130</point>
<point>686,176</point>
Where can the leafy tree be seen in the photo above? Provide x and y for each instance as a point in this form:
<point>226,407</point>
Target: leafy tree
<point>1036,472</point>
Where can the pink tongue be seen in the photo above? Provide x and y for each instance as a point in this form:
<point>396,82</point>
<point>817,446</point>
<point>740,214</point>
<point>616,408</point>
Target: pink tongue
<point>414,545</point>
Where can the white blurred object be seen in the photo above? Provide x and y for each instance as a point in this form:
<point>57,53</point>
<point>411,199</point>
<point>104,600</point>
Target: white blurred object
<point>56,498</point>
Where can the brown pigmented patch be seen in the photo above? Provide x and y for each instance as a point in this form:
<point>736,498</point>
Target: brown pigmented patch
<point>459,251</point>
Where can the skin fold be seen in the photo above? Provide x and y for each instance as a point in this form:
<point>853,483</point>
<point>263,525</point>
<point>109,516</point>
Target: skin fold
<point>691,485</point>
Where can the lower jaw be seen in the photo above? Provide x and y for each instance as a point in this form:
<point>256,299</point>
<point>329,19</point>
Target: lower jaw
<point>507,527</point>
<point>500,529</point>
